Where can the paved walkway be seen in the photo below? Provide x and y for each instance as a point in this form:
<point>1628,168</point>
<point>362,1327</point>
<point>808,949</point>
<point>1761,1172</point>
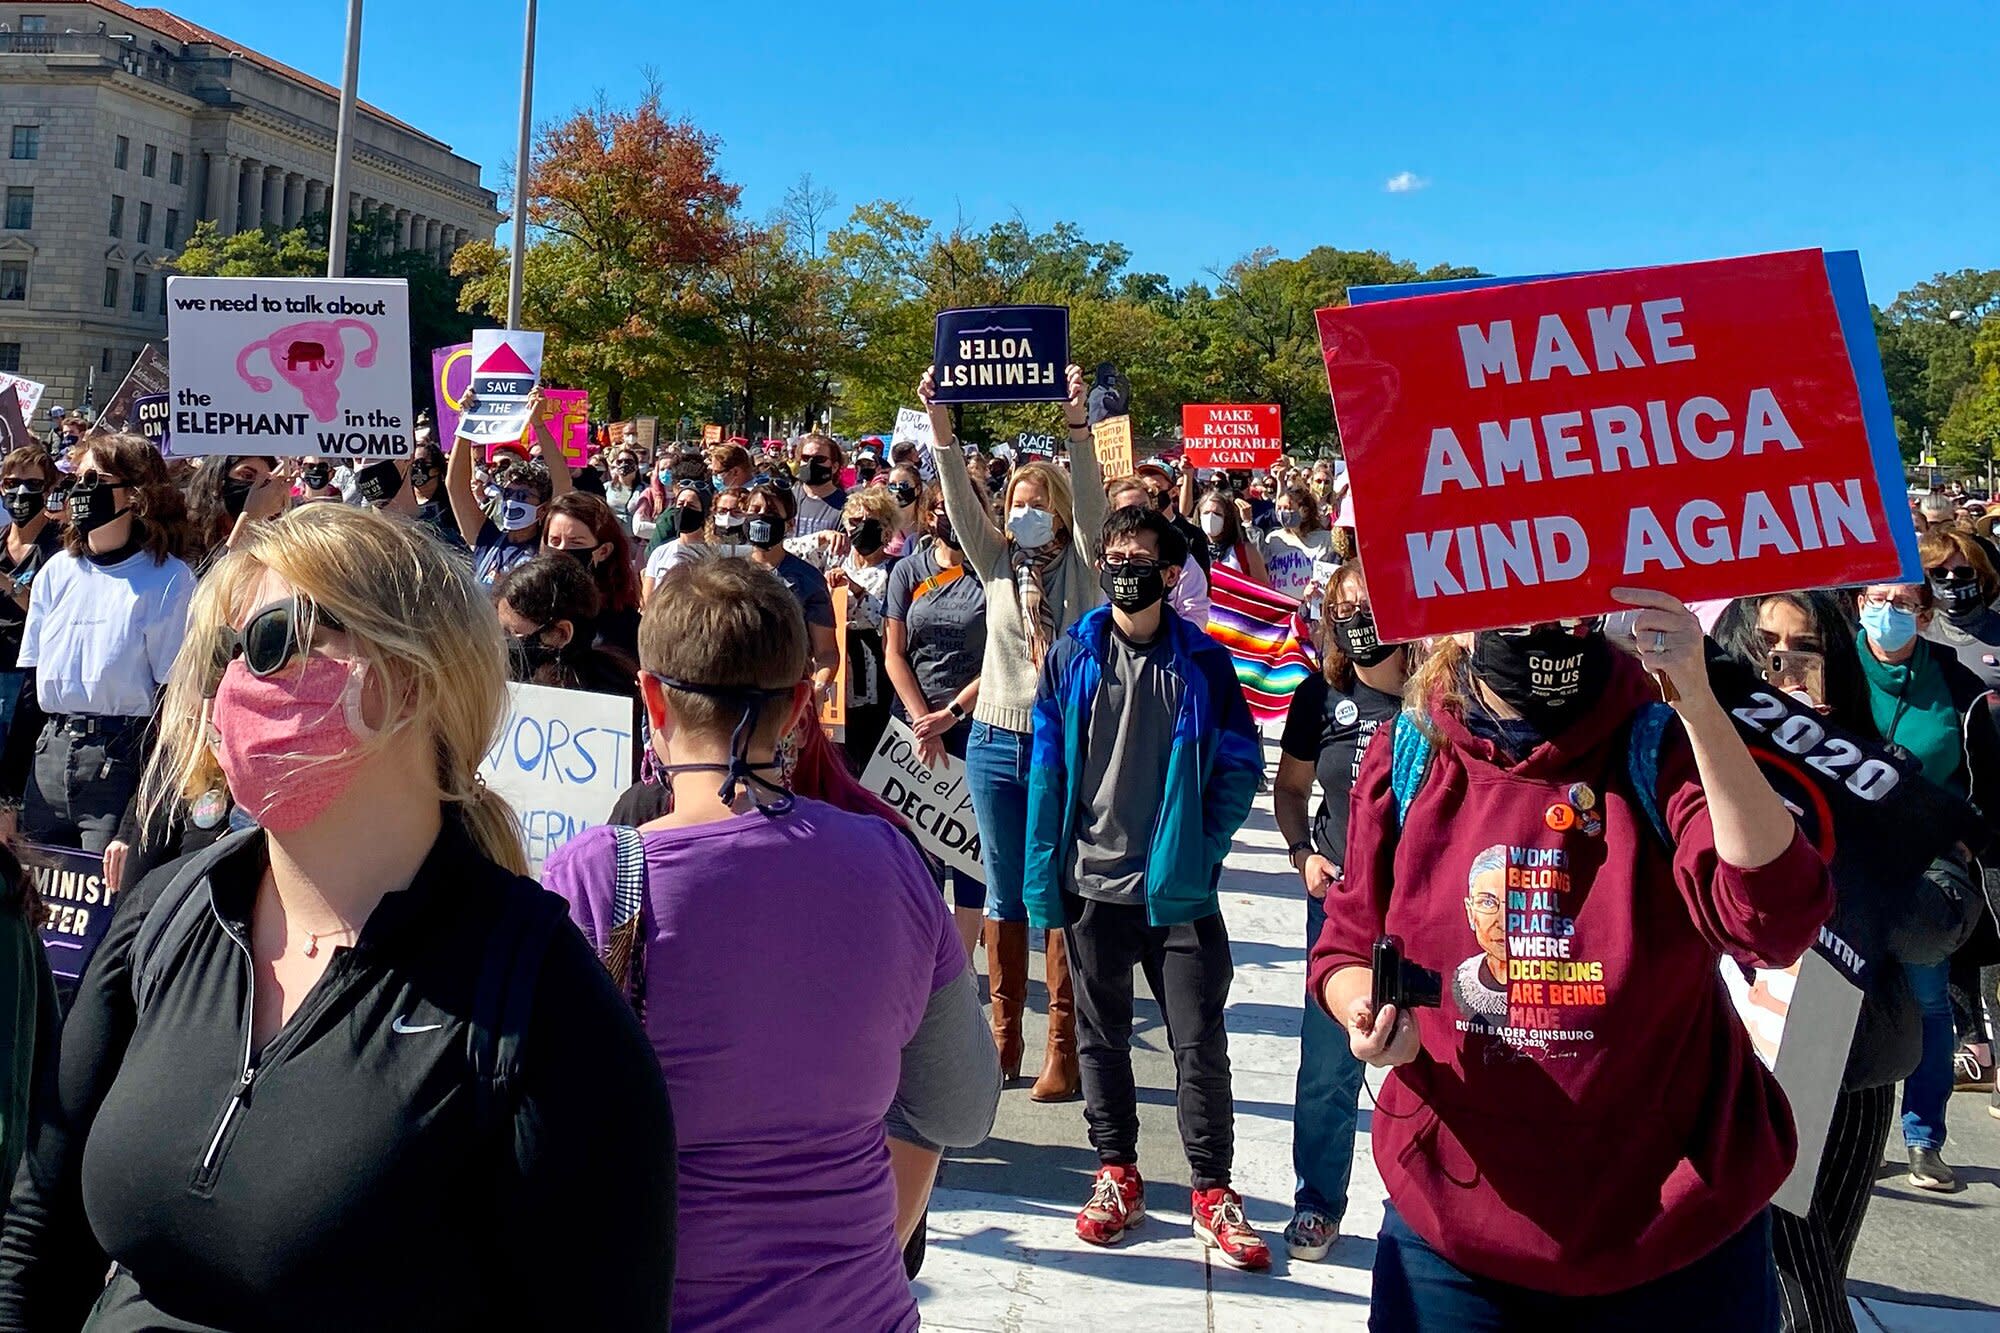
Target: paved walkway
<point>1004,1256</point>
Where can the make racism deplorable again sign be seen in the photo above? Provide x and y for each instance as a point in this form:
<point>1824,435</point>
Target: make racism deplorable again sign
<point>1710,430</point>
<point>290,367</point>
<point>1002,354</point>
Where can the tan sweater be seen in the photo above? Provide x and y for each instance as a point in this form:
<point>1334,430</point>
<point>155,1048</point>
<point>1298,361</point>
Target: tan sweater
<point>1007,678</point>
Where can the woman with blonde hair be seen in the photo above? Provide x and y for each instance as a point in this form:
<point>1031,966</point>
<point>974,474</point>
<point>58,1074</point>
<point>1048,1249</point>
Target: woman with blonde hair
<point>357,1029</point>
<point>1039,564</point>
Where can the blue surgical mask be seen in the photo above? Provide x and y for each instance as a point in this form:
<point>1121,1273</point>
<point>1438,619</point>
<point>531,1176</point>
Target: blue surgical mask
<point>1031,527</point>
<point>1889,627</point>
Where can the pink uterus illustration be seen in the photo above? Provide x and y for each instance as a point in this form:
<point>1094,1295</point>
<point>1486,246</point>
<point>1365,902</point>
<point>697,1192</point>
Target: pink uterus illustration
<point>309,357</point>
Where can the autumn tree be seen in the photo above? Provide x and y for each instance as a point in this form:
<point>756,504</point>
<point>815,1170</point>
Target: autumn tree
<point>629,215</point>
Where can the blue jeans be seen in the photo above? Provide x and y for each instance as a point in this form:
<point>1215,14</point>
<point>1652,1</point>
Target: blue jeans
<point>1927,1090</point>
<point>1323,1114</point>
<point>996,764</point>
<point>1733,1289</point>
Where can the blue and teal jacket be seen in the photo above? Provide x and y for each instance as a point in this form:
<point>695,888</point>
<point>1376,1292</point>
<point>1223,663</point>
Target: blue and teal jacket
<point>1212,772</point>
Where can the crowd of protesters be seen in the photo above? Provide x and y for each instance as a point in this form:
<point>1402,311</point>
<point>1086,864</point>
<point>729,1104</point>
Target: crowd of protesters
<point>708,1080</point>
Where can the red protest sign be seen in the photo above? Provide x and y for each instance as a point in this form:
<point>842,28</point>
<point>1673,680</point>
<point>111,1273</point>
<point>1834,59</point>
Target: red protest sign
<point>1232,435</point>
<point>1519,450</point>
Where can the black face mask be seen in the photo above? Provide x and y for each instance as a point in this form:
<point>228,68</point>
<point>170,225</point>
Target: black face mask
<point>996,483</point>
<point>763,531</point>
<point>865,472</point>
<point>1357,638</point>
<point>317,476</point>
<point>941,529</point>
<point>420,476</point>
<point>815,471</point>
<point>533,653</point>
<point>23,505</point>
<point>1959,601</point>
<point>584,555</point>
<point>1131,591</point>
<point>866,536</point>
<point>902,493</point>
<point>1551,676</point>
<point>690,519</point>
<point>1161,499</point>
<point>90,508</point>
<point>235,495</point>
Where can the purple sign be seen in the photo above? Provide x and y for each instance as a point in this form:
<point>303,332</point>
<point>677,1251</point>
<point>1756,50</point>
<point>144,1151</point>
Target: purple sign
<point>451,378</point>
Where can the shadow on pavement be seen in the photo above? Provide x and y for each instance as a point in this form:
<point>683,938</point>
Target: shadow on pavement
<point>1875,1291</point>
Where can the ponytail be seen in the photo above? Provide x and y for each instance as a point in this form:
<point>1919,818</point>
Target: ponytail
<point>491,824</point>
<point>1438,684</point>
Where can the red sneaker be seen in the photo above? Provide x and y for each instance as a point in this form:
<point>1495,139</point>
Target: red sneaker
<point>1219,1224</point>
<point>1117,1203</point>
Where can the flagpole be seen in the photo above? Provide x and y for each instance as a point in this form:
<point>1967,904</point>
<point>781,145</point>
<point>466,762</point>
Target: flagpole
<point>343,147</point>
<point>520,248</point>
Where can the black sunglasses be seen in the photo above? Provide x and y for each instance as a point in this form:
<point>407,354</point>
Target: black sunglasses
<point>96,478</point>
<point>274,636</point>
<point>24,485</point>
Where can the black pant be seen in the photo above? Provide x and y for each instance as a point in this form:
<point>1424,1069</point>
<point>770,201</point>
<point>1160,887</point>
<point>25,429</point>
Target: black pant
<point>1813,1251</point>
<point>81,782</point>
<point>1188,969</point>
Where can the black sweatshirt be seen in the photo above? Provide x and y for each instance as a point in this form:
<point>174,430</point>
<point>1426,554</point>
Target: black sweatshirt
<point>351,1181</point>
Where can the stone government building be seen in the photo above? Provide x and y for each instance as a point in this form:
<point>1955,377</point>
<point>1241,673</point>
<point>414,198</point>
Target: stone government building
<point>122,127</point>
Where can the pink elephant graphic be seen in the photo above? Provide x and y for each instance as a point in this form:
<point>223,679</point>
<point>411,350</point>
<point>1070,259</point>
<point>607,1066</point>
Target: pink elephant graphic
<point>309,357</point>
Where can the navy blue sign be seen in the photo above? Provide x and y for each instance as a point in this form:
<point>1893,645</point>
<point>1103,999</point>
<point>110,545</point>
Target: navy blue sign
<point>1002,354</point>
<point>76,905</point>
<point>151,414</point>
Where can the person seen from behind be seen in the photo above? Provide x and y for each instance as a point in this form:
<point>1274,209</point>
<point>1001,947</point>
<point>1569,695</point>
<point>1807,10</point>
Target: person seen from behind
<point>781,1078</point>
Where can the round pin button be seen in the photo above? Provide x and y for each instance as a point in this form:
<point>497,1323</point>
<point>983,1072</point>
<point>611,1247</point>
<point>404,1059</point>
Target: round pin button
<point>1582,797</point>
<point>1561,818</point>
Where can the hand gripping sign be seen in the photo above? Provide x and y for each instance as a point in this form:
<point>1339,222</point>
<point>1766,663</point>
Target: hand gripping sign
<point>1712,430</point>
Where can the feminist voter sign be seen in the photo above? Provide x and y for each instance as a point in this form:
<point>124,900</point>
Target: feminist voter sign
<point>1002,354</point>
<point>290,367</point>
<point>1233,436</point>
<point>1710,430</point>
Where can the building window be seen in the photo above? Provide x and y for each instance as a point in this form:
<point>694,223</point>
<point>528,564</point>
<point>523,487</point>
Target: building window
<point>176,167</point>
<point>117,213</point>
<point>122,154</point>
<point>110,289</point>
<point>104,362</point>
<point>13,279</point>
<point>27,143</point>
<point>10,353</point>
<point>34,23</point>
<point>149,160</point>
<point>145,235</point>
<point>20,207</point>
<point>139,286</point>
<point>163,294</point>
<point>172,235</point>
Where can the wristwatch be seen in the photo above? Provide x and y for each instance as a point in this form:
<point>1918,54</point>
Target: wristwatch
<point>1302,845</point>
<point>955,709</point>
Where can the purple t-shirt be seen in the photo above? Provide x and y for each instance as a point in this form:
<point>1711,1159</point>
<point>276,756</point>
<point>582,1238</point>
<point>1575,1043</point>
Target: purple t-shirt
<point>789,960</point>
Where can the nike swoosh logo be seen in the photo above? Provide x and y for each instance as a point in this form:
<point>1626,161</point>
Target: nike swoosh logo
<point>402,1025</point>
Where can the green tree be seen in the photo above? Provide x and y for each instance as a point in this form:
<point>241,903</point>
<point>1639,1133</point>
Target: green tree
<point>257,253</point>
<point>1935,323</point>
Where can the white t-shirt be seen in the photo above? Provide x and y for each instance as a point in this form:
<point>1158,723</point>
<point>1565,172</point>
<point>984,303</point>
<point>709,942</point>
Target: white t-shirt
<point>680,550</point>
<point>1289,558</point>
<point>102,638</point>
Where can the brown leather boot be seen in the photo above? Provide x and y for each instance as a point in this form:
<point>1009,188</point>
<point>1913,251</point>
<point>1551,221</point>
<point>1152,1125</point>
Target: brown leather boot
<point>1007,987</point>
<point>1061,1081</point>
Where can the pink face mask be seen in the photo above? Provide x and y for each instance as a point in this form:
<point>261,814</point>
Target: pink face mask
<point>287,743</point>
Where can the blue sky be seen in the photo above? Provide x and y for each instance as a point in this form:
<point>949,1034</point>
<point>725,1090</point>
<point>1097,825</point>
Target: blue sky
<point>1535,137</point>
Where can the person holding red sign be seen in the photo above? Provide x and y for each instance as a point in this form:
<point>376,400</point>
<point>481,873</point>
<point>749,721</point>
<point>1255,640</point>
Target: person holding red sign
<point>1586,1139</point>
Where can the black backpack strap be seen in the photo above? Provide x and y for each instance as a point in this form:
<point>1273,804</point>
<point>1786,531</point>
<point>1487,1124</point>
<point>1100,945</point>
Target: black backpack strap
<point>174,917</point>
<point>504,997</point>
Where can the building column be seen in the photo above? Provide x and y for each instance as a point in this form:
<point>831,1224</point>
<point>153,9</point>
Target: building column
<point>295,198</point>
<point>273,195</point>
<point>225,171</point>
<point>315,199</point>
<point>249,180</point>
<point>431,231</point>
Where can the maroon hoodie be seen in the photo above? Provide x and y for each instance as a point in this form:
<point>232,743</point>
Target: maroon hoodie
<point>1586,1113</point>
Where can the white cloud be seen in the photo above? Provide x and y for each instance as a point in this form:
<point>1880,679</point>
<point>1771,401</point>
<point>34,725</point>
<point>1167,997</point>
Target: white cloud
<point>1404,182</point>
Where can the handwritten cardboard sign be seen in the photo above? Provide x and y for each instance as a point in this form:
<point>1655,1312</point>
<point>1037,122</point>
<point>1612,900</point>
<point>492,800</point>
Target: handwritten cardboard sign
<point>935,800</point>
<point>1002,354</point>
<point>833,710</point>
<point>290,367</point>
<point>562,757</point>
<point>1704,429</point>
<point>1112,438</point>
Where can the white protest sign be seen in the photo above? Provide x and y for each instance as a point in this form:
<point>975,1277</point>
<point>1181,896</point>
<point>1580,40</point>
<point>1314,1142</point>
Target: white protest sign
<point>561,759</point>
<point>506,364</point>
<point>29,391</point>
<point>290,367</point>
<point>913,426</point>
<point>934,801</point>
<point>1801,1021</point>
